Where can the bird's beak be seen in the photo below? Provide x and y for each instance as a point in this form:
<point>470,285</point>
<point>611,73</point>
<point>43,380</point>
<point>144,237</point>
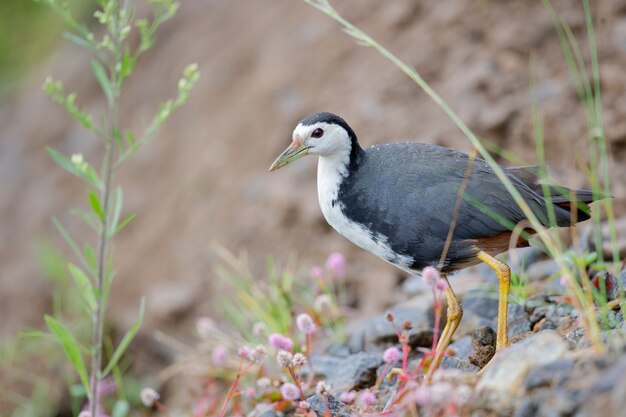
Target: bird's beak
<point>296,150</point>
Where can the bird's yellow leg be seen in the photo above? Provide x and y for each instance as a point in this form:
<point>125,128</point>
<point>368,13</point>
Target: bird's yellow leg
<point>504,277</point>
<point>454,313</point>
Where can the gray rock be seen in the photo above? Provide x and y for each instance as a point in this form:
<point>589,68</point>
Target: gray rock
<point>480,309</point>
<point>541,270</point>
<point>377,333</point>
<point>462,348</point>
<point>414,285</point>
<point>550,375</point>
<point>503,378</point>
<point>351,372</point>
<point>518,320</point>
<point>318,405</point>
<point>452,362</point>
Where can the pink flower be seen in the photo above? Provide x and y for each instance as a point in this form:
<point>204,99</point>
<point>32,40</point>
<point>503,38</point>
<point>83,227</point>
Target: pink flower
<point>250,393</point>
<point>391,355</point>
<point>336,265</point>
<point>317,272</point>
<point>367,398</point>
<point>441,285</point>
<point>347,397</point>
<point>422,396</point>
<point>430,275</point>
<point>289,392</point>
<point>245,352</point>
<point>306,324</point>
<point>280,342</point>
<point>219,356</point>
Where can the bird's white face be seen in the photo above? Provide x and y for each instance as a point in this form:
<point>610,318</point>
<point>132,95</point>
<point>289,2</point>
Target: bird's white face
<point>323,139</point>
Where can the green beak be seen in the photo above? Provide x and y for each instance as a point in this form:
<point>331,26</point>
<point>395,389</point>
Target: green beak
<point>296,150</point>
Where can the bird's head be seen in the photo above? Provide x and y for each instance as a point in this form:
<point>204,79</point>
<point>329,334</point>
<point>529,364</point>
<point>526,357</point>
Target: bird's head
<point>323,134</point>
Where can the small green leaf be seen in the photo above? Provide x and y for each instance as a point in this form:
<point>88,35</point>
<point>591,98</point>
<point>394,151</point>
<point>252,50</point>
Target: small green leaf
<point>103,79</point>
<point>78,391</point>
<point>128,64</point>
<point>70,346</point>
<point>117,210</point>
<point>128,337</point>
<point>84,284</point>
<point>96,205</point>
<point>121,408</point>
<point>31,334</point>
<point>78,40</point>
<point>130,138</point>
<point>89,217</point>
<point>118,138</point>
<point>63,161</point>
<point>125,221</point>
<point>66,236</point>
<point>88,174</point>
<point>90,256</point>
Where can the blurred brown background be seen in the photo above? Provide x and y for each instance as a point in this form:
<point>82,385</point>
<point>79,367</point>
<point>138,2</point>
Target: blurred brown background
<point>265,65</point>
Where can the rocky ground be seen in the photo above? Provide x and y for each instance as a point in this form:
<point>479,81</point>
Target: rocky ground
<point>266,64</point>
<point>549,369</point>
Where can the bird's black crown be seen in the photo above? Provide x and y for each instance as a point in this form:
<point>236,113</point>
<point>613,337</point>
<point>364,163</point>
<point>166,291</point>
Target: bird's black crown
<point>330,118</point>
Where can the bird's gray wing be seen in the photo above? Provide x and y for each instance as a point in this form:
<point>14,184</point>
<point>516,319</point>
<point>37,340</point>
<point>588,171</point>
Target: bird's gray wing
<point>407,194</point>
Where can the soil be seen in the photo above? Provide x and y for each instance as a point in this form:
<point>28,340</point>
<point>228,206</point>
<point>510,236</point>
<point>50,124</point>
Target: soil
<point>265,65</point>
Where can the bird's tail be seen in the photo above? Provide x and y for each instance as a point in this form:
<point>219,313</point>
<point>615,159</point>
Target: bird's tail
<point>572,206</point>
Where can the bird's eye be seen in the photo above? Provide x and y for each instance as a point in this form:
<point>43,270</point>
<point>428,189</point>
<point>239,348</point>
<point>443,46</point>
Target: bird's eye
<point>317,133</point>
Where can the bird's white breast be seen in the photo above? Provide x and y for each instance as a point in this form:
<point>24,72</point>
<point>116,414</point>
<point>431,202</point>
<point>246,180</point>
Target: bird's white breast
<point>330,173</point>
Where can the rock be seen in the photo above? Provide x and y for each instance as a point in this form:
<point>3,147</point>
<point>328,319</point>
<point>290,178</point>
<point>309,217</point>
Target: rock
<point>264,410</point>
<point>549,375</point>
<point>540,270</point>
<point>484,345</point>
<point>465,366</point>
<point>571,332</point>
<point>414,285</point>
<point>518,320</point>
<point>320,406</point>
<point>462,348</point>
<point>479,309</point>
<point>554,313</point>
<point>350,372</point>
<point>377,333</point>
<point>504,377</point>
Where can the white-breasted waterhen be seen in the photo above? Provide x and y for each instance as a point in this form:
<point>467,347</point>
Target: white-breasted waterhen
<point>398,201</point>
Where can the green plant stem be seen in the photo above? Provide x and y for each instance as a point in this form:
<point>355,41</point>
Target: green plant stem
<point>104,238</point>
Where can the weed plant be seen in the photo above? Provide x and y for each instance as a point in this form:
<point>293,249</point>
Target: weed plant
<point>114,60</point>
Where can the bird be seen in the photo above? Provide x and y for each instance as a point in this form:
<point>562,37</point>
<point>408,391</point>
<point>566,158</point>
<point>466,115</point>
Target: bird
<point>399,200</point>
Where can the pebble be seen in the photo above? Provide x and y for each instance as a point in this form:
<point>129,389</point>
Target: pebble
<point>503,379</point>
<point>352,372</point>
<point>318,405</point>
